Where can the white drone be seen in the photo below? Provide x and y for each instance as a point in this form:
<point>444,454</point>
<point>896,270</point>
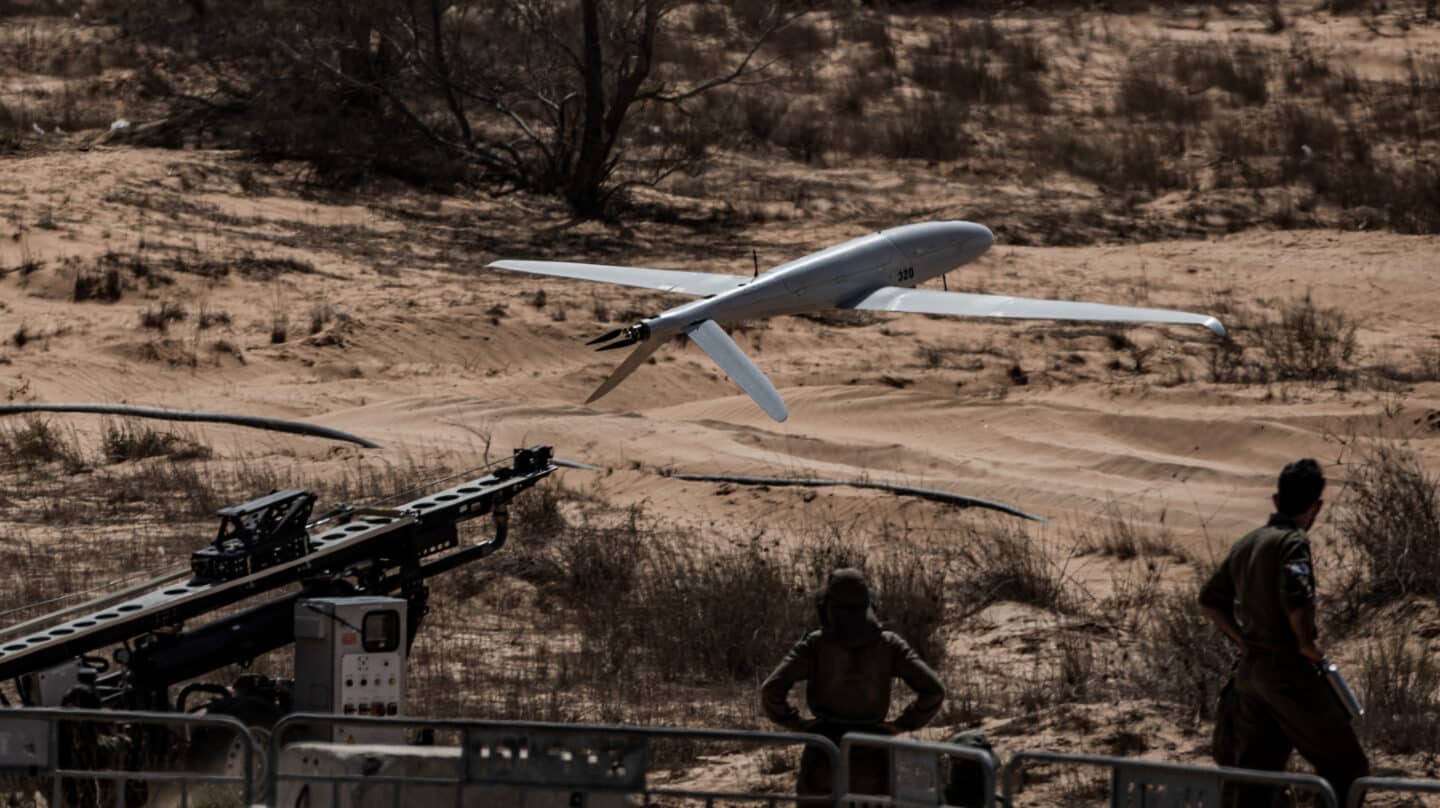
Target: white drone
<point>877,272</point>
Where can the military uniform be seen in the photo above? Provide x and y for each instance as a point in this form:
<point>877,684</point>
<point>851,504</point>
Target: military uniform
<point>1277,702</point>
<point>848,666</point>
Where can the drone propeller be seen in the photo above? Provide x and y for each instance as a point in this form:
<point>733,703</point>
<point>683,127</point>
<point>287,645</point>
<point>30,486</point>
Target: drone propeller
<point>624,343</point>
<point>606,337</point>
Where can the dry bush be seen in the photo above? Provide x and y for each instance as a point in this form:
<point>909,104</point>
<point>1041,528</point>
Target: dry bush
<point>129,442</point>
<point>104,285</point>
<point>1146,92</point>
<point>1392,518</point>
<point>805,133</point>
<point>761,114</point>
<point>1005,563</point>
<point>650,603</point>
<point>956,65</point>
<point>1120,534</point>
<point>1308,343</point>
<point>34,442</point>
<point>1134,158</point>
<point>925,129</point>
<point>1180,656</point>
<point>1407,198</point>
<point>1399,684</point>
<point>1239,70</point>
<point>1308,137</point>
<point>160,317</point>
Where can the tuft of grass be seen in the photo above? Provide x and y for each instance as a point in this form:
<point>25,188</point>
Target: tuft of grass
<point>159,317</point>
<point>35,443</point>
<point>104,285</point>
<point>279,328</point>
<point>1008,564</point>
<point>1120,534</point>
<point>127,442</point>
<point>1400,687</point>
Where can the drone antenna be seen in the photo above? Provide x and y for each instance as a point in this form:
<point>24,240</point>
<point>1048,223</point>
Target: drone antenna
<point>755,257</point>
<point>944,284</point>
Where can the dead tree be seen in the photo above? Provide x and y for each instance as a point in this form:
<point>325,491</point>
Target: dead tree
<point>539,94</point>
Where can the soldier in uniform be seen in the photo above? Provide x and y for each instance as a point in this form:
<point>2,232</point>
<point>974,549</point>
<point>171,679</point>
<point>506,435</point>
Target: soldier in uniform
<point>848,666</point>
<point>1263,598</point>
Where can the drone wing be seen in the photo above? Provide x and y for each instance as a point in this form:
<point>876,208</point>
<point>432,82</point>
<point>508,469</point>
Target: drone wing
<point>713,340</point>
<point>959,304</point>
<point>699,284</point>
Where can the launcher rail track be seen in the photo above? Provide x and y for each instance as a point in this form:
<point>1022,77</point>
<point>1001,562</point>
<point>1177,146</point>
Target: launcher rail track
<point>376,540</point>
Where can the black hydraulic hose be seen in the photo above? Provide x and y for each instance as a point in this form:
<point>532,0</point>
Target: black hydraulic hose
<point>959,500</point>
<point>252,421</point>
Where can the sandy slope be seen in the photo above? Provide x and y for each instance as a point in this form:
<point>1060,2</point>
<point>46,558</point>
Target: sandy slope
<point>438,360</point>
<point>420,358</point>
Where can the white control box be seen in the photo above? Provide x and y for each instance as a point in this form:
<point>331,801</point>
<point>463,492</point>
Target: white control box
<point>350,660</point>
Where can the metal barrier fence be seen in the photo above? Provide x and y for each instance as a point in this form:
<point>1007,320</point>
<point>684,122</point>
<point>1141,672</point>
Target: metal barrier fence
<point>92,757</point>
<point>1152,784</point>
<point>916,778</point>
<point>1366,785</point>
<point>55,755</point>
<point>507,762</point>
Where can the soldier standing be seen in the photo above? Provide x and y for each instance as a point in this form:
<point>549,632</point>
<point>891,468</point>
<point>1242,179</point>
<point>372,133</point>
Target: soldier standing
<point>1263,598</point>
<point>848,666</point>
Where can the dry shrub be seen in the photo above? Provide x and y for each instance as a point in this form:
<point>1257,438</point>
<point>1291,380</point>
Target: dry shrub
<point>128,442</point>
<point>926,129</point>
<point>1134,158</point>
<point>1180,656</point>
<point>1145,92</point>
<point>956,65</point>
<point>159,317</point>
<point>805,133</point>
<point>1308,137</point>
<point>1308,343</point>
<point>1239,70</point>
<point>1121,535</point>
<point>650,603</point>
<point>102,285</point>
<point>1399,684</point>
<point>36,443</point>
<point>1006,563</point>
<point>1407,197</point>
<point>1392,518</point>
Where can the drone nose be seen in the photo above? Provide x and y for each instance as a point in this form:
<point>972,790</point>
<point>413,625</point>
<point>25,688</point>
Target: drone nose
<point>976,239</point>
<point>982,237</point>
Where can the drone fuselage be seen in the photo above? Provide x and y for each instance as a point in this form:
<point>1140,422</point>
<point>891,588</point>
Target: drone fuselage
<point>833,277</point>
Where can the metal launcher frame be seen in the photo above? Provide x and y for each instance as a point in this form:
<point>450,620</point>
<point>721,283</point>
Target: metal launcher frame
<point>264,547</point>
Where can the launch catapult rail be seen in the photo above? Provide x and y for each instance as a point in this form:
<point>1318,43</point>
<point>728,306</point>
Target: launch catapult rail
<point>384,550</point>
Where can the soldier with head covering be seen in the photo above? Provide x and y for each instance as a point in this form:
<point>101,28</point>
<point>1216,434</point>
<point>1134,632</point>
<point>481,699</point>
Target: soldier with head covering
<point>848,666</point>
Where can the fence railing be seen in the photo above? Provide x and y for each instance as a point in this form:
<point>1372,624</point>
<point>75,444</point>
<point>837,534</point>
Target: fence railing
<point>101,757</point>
<point>917,774</point>
<point>1135,783</point>
<point>65,757</point>
<point>1365,785</point>
<point>583,764</point>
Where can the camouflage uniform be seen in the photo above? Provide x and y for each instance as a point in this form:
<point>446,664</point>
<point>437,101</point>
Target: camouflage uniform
<point>1277,701</point>
<point>848,666</point>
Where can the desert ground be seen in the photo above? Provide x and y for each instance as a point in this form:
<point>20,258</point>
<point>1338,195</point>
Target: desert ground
<point>244,287</point>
